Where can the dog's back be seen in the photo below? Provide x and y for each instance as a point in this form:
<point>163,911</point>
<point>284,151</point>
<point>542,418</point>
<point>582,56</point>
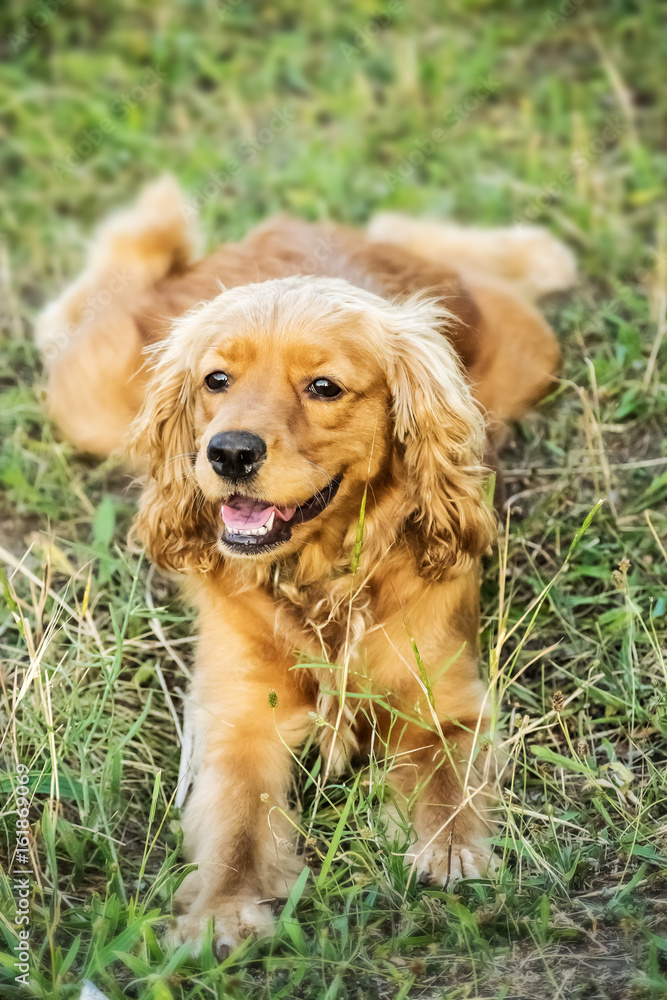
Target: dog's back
<point>143,273</point>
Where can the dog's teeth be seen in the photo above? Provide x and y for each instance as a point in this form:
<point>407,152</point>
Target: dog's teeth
<point>251,531</point>
<point>269,523</point>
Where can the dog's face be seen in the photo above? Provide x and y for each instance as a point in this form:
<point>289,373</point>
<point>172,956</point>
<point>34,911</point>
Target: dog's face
<point>272,409</point>
<point>290,423</point>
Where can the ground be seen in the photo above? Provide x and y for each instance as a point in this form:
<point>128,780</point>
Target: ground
<point>488,112</point>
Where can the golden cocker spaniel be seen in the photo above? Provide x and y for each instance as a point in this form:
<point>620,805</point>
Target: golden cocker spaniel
<point>312,406</point>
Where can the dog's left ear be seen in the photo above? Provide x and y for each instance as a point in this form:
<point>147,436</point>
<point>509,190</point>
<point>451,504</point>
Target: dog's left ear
<point>441,433</point>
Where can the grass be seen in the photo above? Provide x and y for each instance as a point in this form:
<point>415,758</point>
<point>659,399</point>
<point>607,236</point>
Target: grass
<point>553,114</point>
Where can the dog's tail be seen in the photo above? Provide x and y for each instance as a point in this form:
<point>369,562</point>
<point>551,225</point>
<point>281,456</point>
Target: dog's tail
<point>132,250</point>
<point>89,337</point>
<point>528,258</point>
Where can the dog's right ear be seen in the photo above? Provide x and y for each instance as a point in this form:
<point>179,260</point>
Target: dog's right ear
<point>172,523</point>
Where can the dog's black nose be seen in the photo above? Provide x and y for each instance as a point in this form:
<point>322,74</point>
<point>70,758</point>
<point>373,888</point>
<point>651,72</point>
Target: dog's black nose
<point>236,454</point>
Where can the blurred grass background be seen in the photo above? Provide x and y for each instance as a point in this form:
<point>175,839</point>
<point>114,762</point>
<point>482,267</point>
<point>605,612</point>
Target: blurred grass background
<point>548,113</point>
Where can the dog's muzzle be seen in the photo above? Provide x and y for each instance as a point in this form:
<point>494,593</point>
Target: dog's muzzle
<point>251,526</point>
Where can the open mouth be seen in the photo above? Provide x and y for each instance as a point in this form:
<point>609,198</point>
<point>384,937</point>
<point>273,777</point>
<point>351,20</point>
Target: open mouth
<point>251,526</point>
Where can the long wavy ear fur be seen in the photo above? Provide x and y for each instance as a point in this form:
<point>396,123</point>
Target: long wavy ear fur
<point>176,528</point>
<point>441,433</point>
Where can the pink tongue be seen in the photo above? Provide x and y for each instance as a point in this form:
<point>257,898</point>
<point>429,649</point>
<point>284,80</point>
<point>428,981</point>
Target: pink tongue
<point>244,512</point>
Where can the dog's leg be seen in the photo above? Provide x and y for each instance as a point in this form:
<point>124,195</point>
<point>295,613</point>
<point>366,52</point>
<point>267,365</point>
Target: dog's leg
<point>449,800</point>
<point>89,337</point>
<point>250,716</point>
<point>518,357</point>
<point>441,765</point>
<point>528,258</point>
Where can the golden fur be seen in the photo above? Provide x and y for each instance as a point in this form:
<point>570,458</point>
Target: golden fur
<point>388,627</point>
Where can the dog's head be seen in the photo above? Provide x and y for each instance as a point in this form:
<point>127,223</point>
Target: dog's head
<point>272,408</point>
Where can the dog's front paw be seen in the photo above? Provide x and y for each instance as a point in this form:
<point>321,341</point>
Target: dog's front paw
<point>234,919</point>
<point>447,864</point>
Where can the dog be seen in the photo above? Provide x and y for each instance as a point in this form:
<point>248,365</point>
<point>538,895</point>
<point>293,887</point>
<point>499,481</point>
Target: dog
<point>311,407</point>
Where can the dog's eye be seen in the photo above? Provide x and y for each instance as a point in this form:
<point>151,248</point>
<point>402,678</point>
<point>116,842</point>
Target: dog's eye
<point>325,387</point>
<point>217,381</point>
